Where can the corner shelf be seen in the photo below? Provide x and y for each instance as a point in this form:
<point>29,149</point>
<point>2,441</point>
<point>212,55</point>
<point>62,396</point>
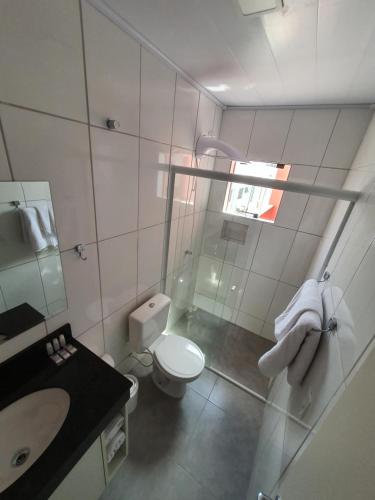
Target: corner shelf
<point>112,467</point>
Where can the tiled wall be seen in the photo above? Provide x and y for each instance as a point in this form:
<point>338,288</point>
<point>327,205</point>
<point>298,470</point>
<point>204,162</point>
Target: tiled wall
<point>66,69</point>
<point>251,284</point>
<point>349,296</point>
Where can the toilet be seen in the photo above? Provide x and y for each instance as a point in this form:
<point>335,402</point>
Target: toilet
<point>177,360</point>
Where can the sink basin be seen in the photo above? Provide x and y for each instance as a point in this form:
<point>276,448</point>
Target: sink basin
<point>27,427</point>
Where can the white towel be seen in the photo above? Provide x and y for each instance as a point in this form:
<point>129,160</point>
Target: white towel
<point>115,445</point>
<point>31,229</point>
<point>297,338</point>
<point>113,427</point>
<point>307,298</point>
<point>47,224</point>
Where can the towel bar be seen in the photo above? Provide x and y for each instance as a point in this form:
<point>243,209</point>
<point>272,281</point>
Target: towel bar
<point>331,326</point>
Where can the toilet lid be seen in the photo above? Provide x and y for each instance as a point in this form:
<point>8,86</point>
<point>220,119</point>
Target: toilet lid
<point>180,357</point>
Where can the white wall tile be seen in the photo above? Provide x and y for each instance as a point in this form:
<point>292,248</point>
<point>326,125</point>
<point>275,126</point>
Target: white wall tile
<point>258,295</point>
<point>118,271</point>
<point>319,209</point>
<point>113,72</point>
<point>236,127</point>
<point>148,294</point>
<point>157,98</point>
<point>299,259</point>
<point>153,182</point>
<point>347,136</point>
<point>82,290</point>
<point>93,339</point>
<point>116,332</point>
<point>4,167</point>
<point>208,278</point>
<point>181,158</point>
<point>366,153</point>
<point>213,244</point>
<point>308,136</point>
<point>150,254</point>
<point>231,287</point>
<point>57,151</point>
<point>272,250</point>
<point>115,165</point>
<point>248,322</point>
<point>242,255</point>
<point>22,341</point>
<point>281,299</point>
<point>292,205</point>
<point>269,135</point>
<point>185,114</point>
<point>206,116</point>
<point>41,60</point>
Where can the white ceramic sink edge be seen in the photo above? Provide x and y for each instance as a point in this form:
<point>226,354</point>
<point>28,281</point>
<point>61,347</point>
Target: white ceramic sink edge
<point>27,428</point>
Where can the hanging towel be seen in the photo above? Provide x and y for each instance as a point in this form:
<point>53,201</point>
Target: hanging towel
<point>307,298</point>
<point>47,224</point>
<point>297,334</point>
<point>31,229</point>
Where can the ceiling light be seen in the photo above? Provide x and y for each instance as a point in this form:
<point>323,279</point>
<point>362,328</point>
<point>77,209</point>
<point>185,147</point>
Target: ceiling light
<point>222,87</point>
<point>253,7</point>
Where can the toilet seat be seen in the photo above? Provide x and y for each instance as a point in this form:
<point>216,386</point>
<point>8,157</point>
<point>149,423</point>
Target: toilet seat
<point>179,358</point>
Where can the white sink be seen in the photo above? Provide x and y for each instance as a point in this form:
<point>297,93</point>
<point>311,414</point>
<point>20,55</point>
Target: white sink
<point>27,427</point>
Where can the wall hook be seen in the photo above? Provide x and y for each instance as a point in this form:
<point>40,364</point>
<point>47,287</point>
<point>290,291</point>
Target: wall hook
<point>80,250</point>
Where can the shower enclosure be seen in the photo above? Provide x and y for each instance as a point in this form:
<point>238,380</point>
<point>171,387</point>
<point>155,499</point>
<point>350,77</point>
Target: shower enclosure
<point>210,256</point>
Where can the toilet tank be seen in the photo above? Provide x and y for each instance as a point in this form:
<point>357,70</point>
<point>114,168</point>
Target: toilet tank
<point>148,322</point>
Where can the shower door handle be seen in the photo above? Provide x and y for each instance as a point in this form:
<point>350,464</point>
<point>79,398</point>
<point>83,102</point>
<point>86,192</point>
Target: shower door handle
<point>262,496</point>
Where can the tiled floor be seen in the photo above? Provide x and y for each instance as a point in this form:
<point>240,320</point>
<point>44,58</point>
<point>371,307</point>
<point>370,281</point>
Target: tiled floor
<point>229,348</point>
<point>201,447</point>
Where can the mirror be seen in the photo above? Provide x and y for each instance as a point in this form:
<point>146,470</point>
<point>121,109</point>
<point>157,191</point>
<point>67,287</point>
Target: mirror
<point>30,264</point>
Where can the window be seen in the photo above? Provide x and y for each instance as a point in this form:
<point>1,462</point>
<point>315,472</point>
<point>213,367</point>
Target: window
<point>253,201</point>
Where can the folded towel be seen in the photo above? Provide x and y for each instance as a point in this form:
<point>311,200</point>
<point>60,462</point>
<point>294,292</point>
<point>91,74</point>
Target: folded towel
<point>307,298</point>
<point>31,229</point>
<point>297,333</point>
<point>113,427</point>
<point>295,350</point>
<point>115,445</point>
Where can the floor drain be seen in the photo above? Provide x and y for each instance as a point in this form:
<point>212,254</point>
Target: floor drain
<point>20,457</point>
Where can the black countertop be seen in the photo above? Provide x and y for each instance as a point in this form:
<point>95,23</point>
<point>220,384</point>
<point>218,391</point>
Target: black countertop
<point>96,391</point>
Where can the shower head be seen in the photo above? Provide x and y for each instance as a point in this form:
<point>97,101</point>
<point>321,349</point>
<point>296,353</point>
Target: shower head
<point>207,143</point>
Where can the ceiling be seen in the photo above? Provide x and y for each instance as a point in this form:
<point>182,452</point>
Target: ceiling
<point>313,52</point>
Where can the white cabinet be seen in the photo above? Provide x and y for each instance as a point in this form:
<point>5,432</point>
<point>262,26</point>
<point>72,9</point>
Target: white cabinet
<point>86,479</point>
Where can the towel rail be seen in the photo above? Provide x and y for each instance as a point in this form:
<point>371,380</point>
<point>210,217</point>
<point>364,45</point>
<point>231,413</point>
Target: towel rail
<point>331,326</point>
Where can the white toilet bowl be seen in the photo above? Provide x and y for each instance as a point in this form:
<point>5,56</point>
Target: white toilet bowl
<point>177,361</point>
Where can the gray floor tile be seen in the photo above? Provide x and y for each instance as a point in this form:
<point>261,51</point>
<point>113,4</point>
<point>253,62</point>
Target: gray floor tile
<point>161,425</point>
<point>220,453</point>
<point>228,348</point>
<point>164,480</point>
<point>205,383</point>
<point>237,402</point>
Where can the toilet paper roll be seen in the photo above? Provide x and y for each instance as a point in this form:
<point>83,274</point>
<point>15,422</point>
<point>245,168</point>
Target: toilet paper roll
<point>108,359</point>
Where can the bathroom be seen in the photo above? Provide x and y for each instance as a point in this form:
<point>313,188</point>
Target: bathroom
<point>125,128</point>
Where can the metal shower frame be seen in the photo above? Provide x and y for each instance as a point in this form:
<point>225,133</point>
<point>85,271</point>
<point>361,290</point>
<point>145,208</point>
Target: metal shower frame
<point>295,187</point>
